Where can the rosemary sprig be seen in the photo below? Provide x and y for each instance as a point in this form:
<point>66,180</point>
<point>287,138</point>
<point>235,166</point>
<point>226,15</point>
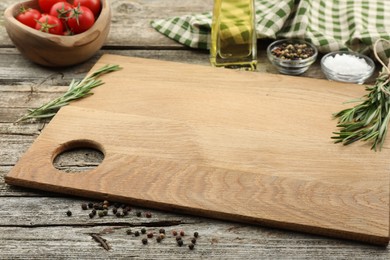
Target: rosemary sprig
<point>367,121</point>
<point>76,90</point>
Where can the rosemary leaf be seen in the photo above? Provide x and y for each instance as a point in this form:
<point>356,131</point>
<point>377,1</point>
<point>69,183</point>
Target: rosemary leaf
<point>76,90</point>
<point>48,115</point>
<point>368,120</point>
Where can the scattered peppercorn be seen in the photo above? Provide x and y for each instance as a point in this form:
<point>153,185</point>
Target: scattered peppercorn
<point>84,206</point>
<point>125,212</point>
<point>180,242</point>
<point>101,209</point>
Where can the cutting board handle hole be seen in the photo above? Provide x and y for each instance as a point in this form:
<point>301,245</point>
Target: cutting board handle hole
<point>78,156</point>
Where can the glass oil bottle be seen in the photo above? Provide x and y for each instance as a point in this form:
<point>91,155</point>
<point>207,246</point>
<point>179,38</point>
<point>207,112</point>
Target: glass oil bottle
<point>233,35</point>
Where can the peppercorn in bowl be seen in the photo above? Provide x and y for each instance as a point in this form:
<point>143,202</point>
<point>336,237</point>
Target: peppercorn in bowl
<point>292,56</point>
<point>56,50</point>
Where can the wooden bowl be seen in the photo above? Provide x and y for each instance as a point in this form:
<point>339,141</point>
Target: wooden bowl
<point>54,50</point>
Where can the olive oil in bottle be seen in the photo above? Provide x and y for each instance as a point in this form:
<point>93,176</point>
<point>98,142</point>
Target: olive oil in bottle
<point>233,35</point>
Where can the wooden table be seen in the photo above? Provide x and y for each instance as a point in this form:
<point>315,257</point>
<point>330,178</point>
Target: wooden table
<point>34,224</point>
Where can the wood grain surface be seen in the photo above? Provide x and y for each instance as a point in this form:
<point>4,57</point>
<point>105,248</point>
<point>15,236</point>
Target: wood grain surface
<point>33,223</point>
<point>232,145</point>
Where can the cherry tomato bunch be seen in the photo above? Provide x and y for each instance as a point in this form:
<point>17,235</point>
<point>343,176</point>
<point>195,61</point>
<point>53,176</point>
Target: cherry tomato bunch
<point>61,17</point>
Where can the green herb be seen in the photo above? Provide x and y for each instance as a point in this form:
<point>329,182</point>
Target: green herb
<point>368,121</point>
<point>76,90</point>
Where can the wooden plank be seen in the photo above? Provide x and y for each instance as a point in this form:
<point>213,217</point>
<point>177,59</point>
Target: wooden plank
<point>13,191</point>
<point>30,86</point>
<point>42,228</point>
<point>219,158</point>
<point>217,242</point>
<point>130,25</point>
<point>16,70</point>
<point>16,146</point>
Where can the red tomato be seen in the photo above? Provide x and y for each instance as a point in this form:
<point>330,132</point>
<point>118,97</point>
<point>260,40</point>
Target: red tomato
<point>80,19</point>
<point>28,16</point>
<point>46,5</point>
<point>50,24</point>
<point>94,5</point>
<point>61,10</point>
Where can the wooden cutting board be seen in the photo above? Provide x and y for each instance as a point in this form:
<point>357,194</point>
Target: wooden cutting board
<point>241,146</point>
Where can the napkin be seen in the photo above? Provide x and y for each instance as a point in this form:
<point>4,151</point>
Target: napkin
<point>330,25</point>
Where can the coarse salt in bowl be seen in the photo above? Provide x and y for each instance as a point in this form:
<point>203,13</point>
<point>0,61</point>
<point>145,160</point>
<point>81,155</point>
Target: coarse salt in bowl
<point>346,66</point>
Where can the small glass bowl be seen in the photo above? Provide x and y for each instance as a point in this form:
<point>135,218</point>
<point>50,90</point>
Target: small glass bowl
<point>291,66</point>
<point>350,76</point>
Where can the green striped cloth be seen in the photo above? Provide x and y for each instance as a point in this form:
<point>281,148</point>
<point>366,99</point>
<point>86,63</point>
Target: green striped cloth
<point>329,24</point>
